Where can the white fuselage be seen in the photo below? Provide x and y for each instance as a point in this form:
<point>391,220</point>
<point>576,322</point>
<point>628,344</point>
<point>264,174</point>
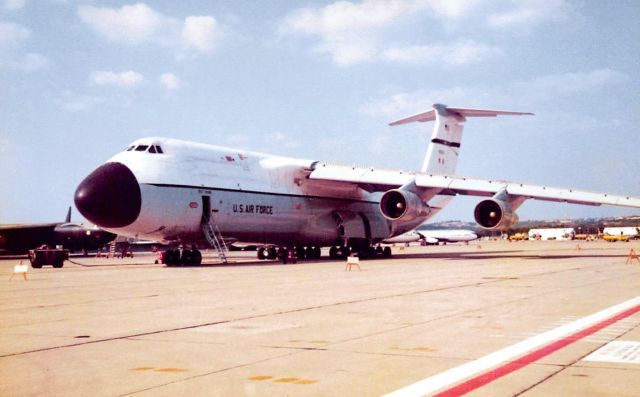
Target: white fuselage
<point>254,197</point>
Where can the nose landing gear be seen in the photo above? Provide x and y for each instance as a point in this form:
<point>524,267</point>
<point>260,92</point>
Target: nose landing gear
<point>182,257</point>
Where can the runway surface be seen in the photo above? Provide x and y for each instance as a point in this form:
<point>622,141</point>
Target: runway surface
<point>484,319</point>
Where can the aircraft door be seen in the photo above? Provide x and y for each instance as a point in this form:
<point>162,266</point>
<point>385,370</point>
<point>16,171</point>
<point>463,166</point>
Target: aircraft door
<point>206,209</point>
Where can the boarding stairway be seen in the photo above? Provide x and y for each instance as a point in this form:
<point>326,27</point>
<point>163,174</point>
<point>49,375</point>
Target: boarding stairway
<point>214,237</point>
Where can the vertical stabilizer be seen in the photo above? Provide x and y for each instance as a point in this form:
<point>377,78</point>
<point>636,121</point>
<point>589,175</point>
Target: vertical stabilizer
<point>444,148</point>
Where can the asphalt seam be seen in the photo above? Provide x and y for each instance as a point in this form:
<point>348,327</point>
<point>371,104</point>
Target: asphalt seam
<point>563,367</point>
<point>245,318</point>
<point>298,350</point>
<point>470,284</point>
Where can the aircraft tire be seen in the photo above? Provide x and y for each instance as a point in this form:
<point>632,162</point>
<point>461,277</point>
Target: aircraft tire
<point>386,252</point>
<point>197,257</point>
<point>317,252</point>
<point>272,253</point>
<point>333,253</point>
<point>187,258</point>
<point>261,254</point>
<point>171,258</point>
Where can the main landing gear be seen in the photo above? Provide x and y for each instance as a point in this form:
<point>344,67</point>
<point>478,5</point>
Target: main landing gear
<point>288,254</point>
<point>182,257</point>
<point>291,255</point>
<point>362,252</point>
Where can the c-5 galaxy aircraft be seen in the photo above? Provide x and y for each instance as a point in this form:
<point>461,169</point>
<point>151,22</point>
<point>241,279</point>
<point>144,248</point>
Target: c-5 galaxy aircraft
<point>19,239</point>
<point>182,192</point>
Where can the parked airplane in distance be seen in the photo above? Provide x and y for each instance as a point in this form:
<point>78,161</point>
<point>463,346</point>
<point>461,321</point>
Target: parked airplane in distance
<point>19,239</point>
<point>434,236</point>
<point>182,192</point>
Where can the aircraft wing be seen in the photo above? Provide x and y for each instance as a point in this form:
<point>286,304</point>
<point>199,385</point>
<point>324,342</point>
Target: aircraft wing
<point>370,179</point>
<point>382,180</point>
<point>7,228</point>
<point>21,238</point>
<point>488,187</point>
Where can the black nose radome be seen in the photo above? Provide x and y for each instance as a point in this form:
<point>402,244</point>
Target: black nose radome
<point>109,196</point>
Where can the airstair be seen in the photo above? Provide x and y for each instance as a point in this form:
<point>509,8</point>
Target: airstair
<point>214,237</point>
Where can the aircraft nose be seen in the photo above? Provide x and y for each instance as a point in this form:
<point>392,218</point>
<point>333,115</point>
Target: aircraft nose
<point>109,196</point>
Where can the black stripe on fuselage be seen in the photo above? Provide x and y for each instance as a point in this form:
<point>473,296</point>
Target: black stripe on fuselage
<point>263,193</point>
<point>446,143</point>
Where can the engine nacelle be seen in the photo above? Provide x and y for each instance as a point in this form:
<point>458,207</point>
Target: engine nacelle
<point>402,204</point>
<point>494,214</point>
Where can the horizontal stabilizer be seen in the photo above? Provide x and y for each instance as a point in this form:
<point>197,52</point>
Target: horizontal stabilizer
<point>456,112</point>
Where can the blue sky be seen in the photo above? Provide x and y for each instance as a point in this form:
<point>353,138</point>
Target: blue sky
<point>79,80</point>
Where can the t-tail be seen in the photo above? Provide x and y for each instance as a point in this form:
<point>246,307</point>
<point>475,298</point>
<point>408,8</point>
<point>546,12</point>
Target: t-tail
<point>442,153</point>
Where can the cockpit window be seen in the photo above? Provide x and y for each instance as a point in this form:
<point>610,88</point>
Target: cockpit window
<point>159,149</point>
<point>152,149</point>
<point>130,148</point>
<point>142,148</point>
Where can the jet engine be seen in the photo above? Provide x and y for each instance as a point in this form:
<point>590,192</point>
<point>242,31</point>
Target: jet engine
<point>402,204</point>
<point>494,214</point>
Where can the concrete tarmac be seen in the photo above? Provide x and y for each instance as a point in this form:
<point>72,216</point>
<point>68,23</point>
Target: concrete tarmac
<point>121,327</point>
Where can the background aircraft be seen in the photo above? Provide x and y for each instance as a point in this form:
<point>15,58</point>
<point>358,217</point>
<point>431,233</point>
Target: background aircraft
<point>175,191</point>
<point>19,239</point>
<point>434,236</point>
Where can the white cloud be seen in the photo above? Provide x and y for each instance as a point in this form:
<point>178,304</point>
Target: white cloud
<point>345,29</point>
<point>408,103</point>
<point>169,81</point>
<point>12,34</point>
<point>30,62</point>
<point>138,23</point>
<point>200,32</point>
<point>537,91</point>
<point>12,38</point>
<point>13,4</point>
<point>130,23</point>
<point>453,8</point>
<point>349,31</point>
<point>459,53</point>
<point>123,79</point>
<point>527,13</point>
<point>568,83</point>
<point>73,102</point>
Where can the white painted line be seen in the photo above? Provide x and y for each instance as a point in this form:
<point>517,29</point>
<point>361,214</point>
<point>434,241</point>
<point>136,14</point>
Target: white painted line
<point>457,374</point>
<point>617,352</point>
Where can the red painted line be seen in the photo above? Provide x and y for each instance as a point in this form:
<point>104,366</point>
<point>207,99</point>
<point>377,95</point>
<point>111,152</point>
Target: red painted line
<point>535,355</point>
